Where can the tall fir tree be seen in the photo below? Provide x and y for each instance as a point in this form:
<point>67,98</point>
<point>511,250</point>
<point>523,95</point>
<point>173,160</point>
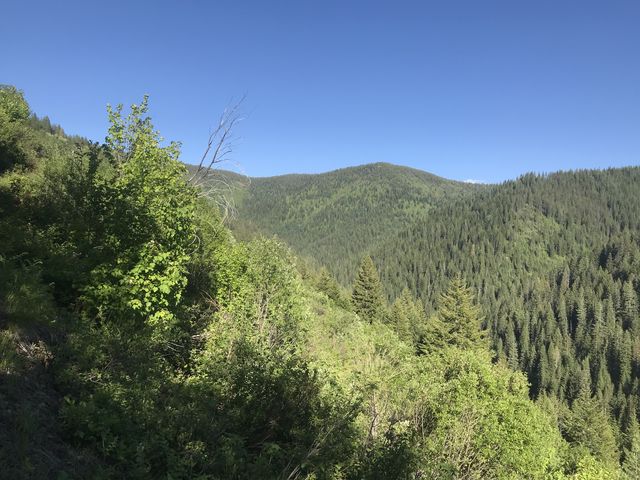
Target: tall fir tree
<point>461,316</point>
<point>630,308</point>
<point>511,347</point>
<point>367,297</point>
<point>631,444</point>
<point>587,425</point>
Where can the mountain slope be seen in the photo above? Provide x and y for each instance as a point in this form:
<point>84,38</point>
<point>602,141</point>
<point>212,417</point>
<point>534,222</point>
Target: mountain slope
<point>522,228</point>
<point>555,262</point>
<point>337,217</point>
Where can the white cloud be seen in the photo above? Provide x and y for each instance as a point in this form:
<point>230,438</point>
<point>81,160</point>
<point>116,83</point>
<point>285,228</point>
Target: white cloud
<point>471,180</point>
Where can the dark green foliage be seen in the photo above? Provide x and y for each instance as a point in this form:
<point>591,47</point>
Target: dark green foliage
<point>587,425</point>
<point>14,134</point>
<point>555,264</point>
<point>631,463</point>
<point>554,261</point>
<point>367,296</point>
<point>26,139</point>
<point>327,283</point>
<point>160,348</point>
<point>407,317</point>
<point>460,316</point>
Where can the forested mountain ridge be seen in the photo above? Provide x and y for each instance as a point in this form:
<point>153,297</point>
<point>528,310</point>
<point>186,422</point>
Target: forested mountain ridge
<point>337,217</point>
<point>549,256</point>
<point>555,217</point>
<point>555,262</point>
<point>139,339</point>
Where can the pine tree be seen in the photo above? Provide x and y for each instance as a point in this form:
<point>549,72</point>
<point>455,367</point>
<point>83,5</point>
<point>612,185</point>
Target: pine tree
<point>433,336</point>
<point>630,307</point>
<point>542,374</point>
<point>585,379</point>
<point>631,464</point>
<point>604,386</point>
<point>625,356</point>
<point>564,279</point>
<point>328,285</point>
<point>461,316</point>
<point>631,450</point>
<point>588,425</point>
<point>562,318</point>
<point>526,355</point>
<point>403,316</point>
<point>580,323</point>
<point>367,296</point>
<point>598,329</point>
<point>511,346</point>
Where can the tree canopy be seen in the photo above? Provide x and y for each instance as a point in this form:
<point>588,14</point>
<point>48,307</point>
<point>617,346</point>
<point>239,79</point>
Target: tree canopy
<point>367,296</point>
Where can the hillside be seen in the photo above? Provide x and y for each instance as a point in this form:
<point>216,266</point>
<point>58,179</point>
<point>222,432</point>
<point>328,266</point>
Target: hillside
<point>555,262</point>
<point>139,339</point>
<point>337,217</point>
<point>553,259</point>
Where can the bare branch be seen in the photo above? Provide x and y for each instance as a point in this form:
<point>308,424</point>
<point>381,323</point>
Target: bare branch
<point>219,144</point>
<point>218,188</point>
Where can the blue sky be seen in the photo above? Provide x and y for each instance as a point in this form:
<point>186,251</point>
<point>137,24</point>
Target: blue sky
<point>483,90</point>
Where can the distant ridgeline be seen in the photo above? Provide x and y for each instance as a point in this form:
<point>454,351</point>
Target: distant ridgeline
<point>335,218</point>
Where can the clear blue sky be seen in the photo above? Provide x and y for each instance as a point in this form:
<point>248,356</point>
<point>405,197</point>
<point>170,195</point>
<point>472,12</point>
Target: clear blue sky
<point>474,89</point>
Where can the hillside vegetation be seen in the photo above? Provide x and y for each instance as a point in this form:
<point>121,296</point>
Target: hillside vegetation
<point>555,262</point>
<point>339,216</point>
<point>139,339</point>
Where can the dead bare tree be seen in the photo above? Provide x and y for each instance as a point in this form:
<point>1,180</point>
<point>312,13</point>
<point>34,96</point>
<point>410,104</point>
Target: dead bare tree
<point>220,143</point>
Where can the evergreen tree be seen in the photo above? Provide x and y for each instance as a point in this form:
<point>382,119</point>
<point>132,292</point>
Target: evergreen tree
<point>327,284</point>
<point>564,279</point>
<point>433,336</point>
<point>367,297</point>
<point>511,345</point>
<point>631,462</point>
<point>403,316</point>
<point>461,316</point>
<point>543,374</point>
<point>407,317</point>
<point>562,319</point>
<point>587,425</point>
<point>598,329</point>
<point>630,307</point>
<point>184,353</point>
